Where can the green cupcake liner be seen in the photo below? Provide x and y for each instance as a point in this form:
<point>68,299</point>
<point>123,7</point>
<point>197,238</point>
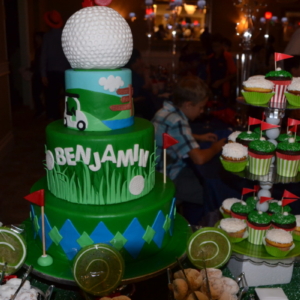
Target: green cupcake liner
<point>259,166</point>
<point>287,168</point>
<point>256,98</point>
<point>292,99</point>
<point>276,252</point>
<point>224,215</point>
<point>256,236</point>
<point>235,167</point>
<point>296,237</point>
<point>238,240</point>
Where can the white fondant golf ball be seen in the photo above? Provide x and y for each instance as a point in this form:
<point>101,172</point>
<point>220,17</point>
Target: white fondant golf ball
<point>136,185</point>
<point>263,193</point>
<point>49,160</point>
<point>274,142</point>
<point>262,206</point>
<point>273,121</point>
<point>265,185</point>
<point>273,133</point>
<point>97,37</point>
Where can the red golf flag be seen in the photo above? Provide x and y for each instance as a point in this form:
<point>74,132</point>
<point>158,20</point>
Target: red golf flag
<point>281,56</point>
<point>265,126</point>
<point>264,199</point>
<point>168,141</point>
<point>253,121</point>
<point>36,197</point>
<point>256,188</point>
<point>293,129</point>
<point>292,122</point>
<point>287,201</point>
<point>287,194</point>
<point>246,191</point>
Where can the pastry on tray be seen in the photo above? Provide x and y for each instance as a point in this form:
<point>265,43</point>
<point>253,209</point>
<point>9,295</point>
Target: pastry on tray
<point>227,203</point>
<point>233,227</point>
<point>260,153</point>
<point>246,137</point>
<point>240,210</point>
<point>284,221</point>
<point>279,238</point>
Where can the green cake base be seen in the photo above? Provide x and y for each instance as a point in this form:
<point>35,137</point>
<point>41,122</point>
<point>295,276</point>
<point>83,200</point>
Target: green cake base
<point>61,270</point>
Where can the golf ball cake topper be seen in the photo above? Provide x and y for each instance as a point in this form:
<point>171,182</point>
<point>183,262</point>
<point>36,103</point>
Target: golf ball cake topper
<point>97,37</point>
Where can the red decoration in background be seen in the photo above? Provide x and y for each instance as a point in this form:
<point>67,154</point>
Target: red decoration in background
<point>287,201</point>
<point>246,191</point>
<point>103,2</point>
<point>196,22</point>
<point>264,199</point>
<point>36,197</point>
<point>87,3</point>
<point>268,15</point>
<point>265,126</point>
<point>168,141</point>
<point>253,121</point>
<point>292,122</point>
<point>281,56</point>
<point>287,194</point>
<point>149,11</point>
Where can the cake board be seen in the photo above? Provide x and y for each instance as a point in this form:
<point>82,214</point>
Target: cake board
<point>61,270</point>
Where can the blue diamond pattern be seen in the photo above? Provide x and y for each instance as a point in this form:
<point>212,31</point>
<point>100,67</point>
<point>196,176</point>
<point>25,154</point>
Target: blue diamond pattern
<point>48,228</point>
<point>101,234</point>
<point>172,216</point>
<point>32,215</point>
<point>158,227</point>
<point>134,235</point>
<point>69,243</point>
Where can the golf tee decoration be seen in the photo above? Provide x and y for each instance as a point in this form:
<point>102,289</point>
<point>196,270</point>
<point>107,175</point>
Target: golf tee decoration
<point>38,198</point>
<point>168,141</point>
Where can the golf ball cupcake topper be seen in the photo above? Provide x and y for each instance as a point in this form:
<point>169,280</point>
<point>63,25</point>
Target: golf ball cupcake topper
<point>97,37</point>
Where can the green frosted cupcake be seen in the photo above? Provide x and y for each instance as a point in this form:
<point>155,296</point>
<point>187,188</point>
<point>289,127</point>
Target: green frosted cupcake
<point>240,210</point>
<point>284,221</point>
<point>246,137</point>
<point>260,155</point>
<point>276,207</point>
<point>258,223</point>
<point>288,158</point>
<point>285,137</point>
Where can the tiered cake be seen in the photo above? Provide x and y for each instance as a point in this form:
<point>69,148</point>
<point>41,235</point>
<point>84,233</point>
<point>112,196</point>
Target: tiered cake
<point>101,185</point>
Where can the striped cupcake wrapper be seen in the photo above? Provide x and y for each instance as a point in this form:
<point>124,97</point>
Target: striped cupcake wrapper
<point>256,236</point>
<point>287,168</point>
<point>259,166</point>
<point>280,88</point>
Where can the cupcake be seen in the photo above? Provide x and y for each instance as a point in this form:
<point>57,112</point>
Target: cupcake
<point>279,238</point>
<point>288,158</point>
<point>286,136</point>
<point>246,137</point>
<point>232,137</point>
<point>293,92</point>
<point>257,91</point>
<point>276,207</point>
<point>234,157</point>
<point>252,201</point>
<point>297,229</point>
<point>240,210</point>
<point>227,203</point>
<point>260,156</point>
<point>258,223</point>
<point>234,227</point>
<point>284,221</point>
<point>281,79</point>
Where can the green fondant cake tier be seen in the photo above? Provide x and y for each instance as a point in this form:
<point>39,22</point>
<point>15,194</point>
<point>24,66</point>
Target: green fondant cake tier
<point>138,229</point>
<point>100,168</point>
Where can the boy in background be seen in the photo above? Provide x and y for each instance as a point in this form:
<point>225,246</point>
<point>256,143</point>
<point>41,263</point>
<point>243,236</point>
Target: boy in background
<point>189,98</point>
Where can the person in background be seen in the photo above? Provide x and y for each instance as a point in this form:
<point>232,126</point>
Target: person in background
<point>142,93</point>
<point>188,101</point>
<point>221,70</point>
<point>205,39</point>
<point>53,64</point>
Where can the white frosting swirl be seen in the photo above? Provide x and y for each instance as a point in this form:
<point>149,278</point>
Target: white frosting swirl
<point>227,203</point>
<point>232,137</point>
<point>232,224</point>
<point>235,150</point>
<point>259,83</point>
<point>295,84</point>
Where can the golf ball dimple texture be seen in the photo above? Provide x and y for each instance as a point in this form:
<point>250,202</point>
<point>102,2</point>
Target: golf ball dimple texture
<point>97,37</point>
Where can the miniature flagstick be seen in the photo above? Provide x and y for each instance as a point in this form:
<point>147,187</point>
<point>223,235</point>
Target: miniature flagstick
<point>262,204</point>
<point>38,198</point>
<point>253,121</point>
<point>246,191</point>
<point>280,56</point>
<point>295,123</point>
<point>287,198</point>
<point>168,141</point>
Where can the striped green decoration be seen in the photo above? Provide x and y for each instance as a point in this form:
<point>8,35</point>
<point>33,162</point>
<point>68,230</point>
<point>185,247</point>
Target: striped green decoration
<point>256,236</point>
<point>287,168</point>
<point>259,166</point>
